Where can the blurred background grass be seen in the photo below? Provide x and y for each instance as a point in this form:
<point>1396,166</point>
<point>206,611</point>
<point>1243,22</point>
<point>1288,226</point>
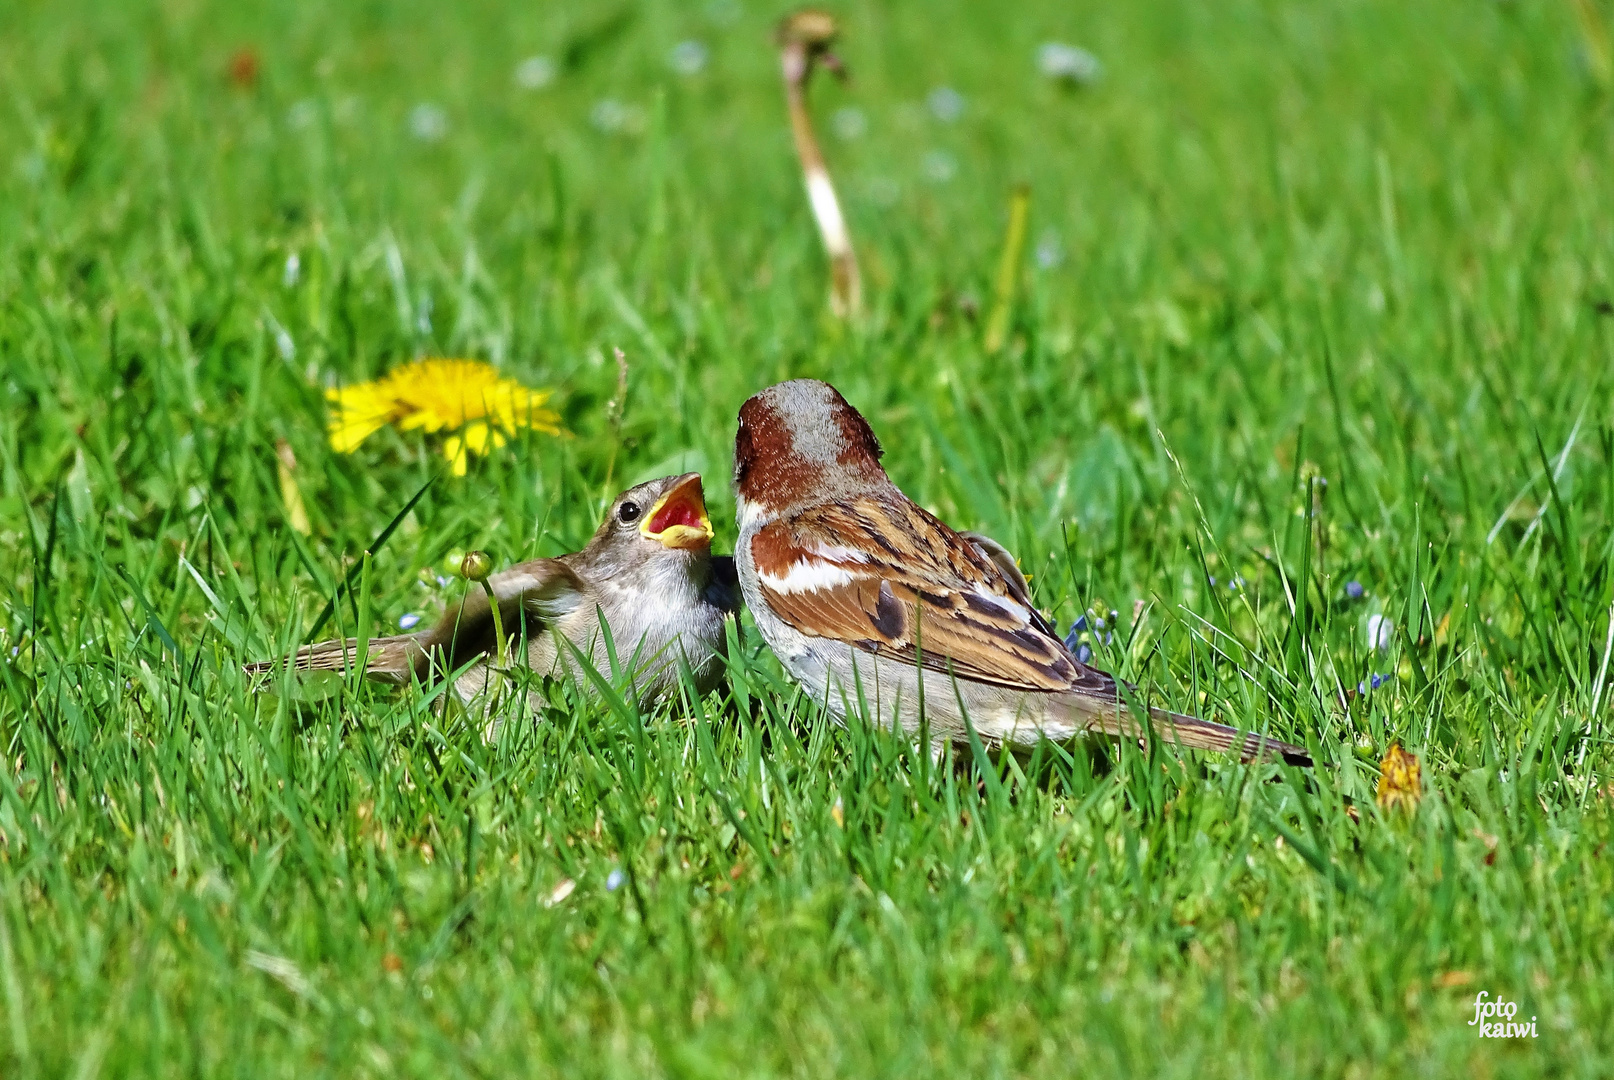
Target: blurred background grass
<point>1365,242</point>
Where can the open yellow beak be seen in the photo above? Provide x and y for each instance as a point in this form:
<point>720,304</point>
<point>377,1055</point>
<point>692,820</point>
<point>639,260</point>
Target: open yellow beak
<point>678,520</point>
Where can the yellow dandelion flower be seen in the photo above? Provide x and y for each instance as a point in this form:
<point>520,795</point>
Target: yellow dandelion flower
<point>467,397</point>
<point>1400,780</point>
<point>360,412</point>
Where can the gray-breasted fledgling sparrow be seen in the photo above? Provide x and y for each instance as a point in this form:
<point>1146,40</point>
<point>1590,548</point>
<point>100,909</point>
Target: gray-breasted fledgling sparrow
<point>649,570</point>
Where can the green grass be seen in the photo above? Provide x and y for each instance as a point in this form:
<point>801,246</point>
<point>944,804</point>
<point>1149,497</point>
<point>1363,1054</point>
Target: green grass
<point>1370,242</point>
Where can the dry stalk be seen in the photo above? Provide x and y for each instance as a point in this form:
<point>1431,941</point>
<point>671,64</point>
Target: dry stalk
<point>804,40</point>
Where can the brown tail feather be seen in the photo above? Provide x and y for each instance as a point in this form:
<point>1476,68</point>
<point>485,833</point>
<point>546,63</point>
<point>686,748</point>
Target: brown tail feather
<point>1194,733</point>
<point>1205,735</point>
<point>389,659</point>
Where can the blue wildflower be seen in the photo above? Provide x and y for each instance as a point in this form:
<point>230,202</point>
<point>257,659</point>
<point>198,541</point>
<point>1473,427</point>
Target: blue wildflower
<point>1084,653</point>
<point>408,622</point>
<point>614,880</point>
<point>1378,680</point>
<point>1354,590</point>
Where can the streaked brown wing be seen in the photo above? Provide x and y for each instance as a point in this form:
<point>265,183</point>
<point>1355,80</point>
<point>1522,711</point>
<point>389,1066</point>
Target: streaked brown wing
<point>534,593</point>
<point>889,578</point>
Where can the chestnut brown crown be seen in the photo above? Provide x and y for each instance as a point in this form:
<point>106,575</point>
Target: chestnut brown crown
<point>800,442</point>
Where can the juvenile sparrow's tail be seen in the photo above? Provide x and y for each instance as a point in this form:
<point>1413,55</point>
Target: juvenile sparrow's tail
<point>1190,731</point>
<point>389,659</point>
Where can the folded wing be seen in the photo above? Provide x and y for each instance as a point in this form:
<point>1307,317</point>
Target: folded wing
<point>530,594</point>
<point>849,571</point>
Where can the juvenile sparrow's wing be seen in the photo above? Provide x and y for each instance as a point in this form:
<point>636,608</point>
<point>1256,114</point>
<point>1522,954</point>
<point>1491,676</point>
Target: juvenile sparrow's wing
<point>531,593</point>
<point>879,573</point>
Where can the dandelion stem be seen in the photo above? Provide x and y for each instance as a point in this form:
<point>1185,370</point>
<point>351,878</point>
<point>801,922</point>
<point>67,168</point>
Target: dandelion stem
<point>476,566</point>
<point>804,39</point>
<point>1014,245</point>
<point>498,624</point>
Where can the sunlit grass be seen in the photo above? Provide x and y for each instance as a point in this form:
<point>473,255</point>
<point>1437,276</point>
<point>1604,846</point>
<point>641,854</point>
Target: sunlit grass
<point>1305,387</point>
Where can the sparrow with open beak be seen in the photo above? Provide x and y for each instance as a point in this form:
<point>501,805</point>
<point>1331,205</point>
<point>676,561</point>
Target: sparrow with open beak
<point>870,602</point>
<point>649,572</point>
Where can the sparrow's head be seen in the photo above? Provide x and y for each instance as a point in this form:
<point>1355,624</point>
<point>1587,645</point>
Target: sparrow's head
<point>800,442</point>
<point>654,519</point>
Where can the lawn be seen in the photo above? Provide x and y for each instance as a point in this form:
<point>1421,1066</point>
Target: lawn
<point>1306,388</point>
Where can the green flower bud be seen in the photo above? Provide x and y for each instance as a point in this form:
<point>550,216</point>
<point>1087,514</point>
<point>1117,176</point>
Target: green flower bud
<point>476,566</point>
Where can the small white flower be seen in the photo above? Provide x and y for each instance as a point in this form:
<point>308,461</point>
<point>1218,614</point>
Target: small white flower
<point>1380,630</point>
<point>409,621</point>
<point>293,271</point>
<point>611,115</point>
<point>946,104</point>
<point>535,73</point>
<point>428,122</point>
<point>849,123</point>
<point>302,114</point>
<point>1069,64</point>
<point>614,880</point>
<point>939,166</point>
<point>688,57</point>
<point>1050,254</point>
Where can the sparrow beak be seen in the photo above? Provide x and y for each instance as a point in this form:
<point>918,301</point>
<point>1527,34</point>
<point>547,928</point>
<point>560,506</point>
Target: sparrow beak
<point>678,520</point>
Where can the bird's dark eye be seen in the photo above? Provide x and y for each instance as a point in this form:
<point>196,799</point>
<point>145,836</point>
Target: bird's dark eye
<point>628,513</point>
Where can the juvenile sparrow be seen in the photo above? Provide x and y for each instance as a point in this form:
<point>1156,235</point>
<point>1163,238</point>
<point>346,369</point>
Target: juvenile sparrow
<point>649,571</point>
<point>869,601</point>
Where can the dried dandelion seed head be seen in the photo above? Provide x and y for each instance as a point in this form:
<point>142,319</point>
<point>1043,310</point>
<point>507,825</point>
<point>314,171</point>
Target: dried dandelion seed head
<point>1400,780</point>
<point>809,27</point>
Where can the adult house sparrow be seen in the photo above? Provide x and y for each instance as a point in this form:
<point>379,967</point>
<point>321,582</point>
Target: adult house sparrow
<point>862,594</point>
<point>649,569</point>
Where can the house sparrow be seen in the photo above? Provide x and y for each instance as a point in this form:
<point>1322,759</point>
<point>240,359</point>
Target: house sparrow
<point>648,570</point>
<point>862,595</point>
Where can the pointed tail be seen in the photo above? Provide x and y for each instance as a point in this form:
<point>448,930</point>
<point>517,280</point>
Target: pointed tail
<point>1190,731</point>
<point>389,659</point>
<point>1205,735</point>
